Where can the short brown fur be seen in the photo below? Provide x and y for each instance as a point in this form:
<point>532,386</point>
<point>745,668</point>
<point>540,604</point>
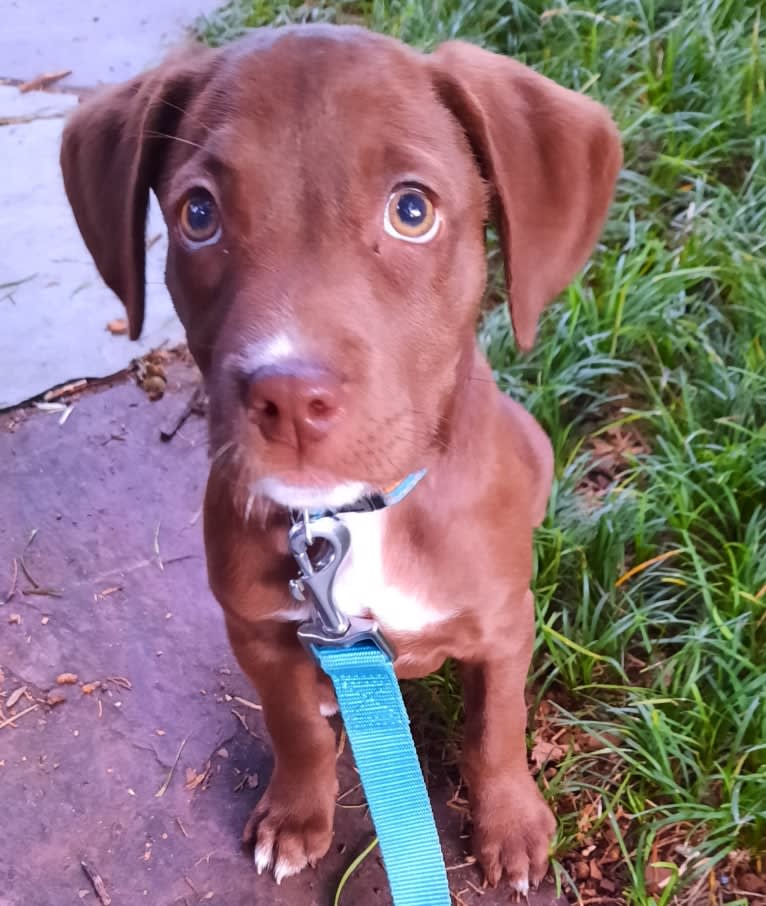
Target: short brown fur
<point>300,135</point>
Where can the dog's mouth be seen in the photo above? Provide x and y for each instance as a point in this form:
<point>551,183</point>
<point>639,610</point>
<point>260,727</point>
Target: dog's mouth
<point>297,495</point>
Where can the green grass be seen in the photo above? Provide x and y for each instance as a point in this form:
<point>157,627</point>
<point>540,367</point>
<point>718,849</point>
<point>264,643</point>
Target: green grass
<point>662,342</point>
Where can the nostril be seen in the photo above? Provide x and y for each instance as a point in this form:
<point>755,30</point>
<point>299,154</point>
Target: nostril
<point>263,406</point>
<point>318,408</point>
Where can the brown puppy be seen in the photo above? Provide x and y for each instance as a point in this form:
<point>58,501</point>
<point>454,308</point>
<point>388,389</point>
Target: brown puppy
<point>325,191</point>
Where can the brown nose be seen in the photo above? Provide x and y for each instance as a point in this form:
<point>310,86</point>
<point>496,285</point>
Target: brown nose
<point>293,403</point>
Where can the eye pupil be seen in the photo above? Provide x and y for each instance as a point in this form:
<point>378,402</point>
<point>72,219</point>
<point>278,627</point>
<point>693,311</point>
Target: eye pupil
<point>199,218</point>
<point>411,215</point>
<point>411,209</point>
<point>199,213</point>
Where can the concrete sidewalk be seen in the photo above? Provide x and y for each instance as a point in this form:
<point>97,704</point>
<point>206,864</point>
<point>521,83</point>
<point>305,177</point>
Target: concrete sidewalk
<point>54,308</point>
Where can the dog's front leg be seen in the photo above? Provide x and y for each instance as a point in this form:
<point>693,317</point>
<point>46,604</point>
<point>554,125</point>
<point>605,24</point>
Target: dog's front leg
<point>513,826</point>
<point>292,823</point>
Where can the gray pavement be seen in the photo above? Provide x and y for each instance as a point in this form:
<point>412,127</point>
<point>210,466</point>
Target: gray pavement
<point>151,760</point>
<point>53,306</point>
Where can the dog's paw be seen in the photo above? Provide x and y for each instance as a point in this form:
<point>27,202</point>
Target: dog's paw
<point>513,829</point>
<point>290,833</point>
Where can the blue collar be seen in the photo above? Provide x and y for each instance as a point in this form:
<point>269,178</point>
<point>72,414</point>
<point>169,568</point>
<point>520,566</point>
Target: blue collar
<point>378,500</point>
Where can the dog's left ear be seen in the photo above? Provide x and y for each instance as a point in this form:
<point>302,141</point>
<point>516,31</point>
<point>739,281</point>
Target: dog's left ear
<point>551,156</point>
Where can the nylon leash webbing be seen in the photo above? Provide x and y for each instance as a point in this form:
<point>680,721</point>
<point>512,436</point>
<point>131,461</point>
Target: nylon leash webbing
<point>378,730</point>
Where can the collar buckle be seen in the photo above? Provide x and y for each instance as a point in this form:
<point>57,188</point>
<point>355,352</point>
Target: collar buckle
<point>333,540</point>
<point>330,627</point>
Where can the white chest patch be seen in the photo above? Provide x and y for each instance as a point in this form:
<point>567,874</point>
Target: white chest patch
<point>361,587</point>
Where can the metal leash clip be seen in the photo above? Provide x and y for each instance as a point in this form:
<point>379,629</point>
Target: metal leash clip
<point>329,626</point>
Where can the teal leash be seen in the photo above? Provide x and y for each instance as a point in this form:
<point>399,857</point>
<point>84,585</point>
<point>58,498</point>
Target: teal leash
<point>378,730</point>
<point>355,655</point>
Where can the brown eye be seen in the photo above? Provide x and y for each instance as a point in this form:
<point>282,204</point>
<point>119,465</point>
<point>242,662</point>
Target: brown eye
<point>411,215</point>
<point>200,222</point>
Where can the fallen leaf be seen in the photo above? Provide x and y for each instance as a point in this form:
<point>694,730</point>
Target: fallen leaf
<point>657,878</point>
<point>154,386</point>
<point>581,871</point>
<point>195,779</point>
<point>595,871</point>
<point>546,752</point>
<point>65,390</point>
<point>117,327</point>
<point>67,679</point>
<point>45,80</point>
<point>15,696</point>
<point>98,883</point>
<point>751,883</point>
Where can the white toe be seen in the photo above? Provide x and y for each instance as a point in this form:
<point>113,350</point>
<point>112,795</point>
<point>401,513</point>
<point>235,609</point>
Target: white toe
<point>263,856</point>
<point>521,887</point>
<point>285,869</point>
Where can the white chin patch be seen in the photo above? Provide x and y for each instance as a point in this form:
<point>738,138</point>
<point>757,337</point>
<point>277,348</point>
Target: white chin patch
<point>295,497</point>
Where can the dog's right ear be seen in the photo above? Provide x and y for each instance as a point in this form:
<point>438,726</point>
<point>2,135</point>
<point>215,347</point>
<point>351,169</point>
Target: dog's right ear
<point>111,155</point>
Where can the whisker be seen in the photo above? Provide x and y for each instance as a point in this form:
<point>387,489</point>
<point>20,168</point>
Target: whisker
<point>223,450</point>
<point>175,138</point>
<point>249,506</point>
<point>185,112</point>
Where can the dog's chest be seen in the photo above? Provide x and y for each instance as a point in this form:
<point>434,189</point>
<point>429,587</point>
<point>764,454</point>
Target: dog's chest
<point>362,587</point>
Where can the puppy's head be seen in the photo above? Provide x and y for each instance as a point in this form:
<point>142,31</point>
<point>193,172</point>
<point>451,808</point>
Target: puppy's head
<point>325,191</point>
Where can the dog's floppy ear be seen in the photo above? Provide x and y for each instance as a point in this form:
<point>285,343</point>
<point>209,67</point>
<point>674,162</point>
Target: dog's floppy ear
<point>551,156</point>
<point>111,154</point>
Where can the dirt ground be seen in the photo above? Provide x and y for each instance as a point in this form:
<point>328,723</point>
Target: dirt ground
<point>129,739</point>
